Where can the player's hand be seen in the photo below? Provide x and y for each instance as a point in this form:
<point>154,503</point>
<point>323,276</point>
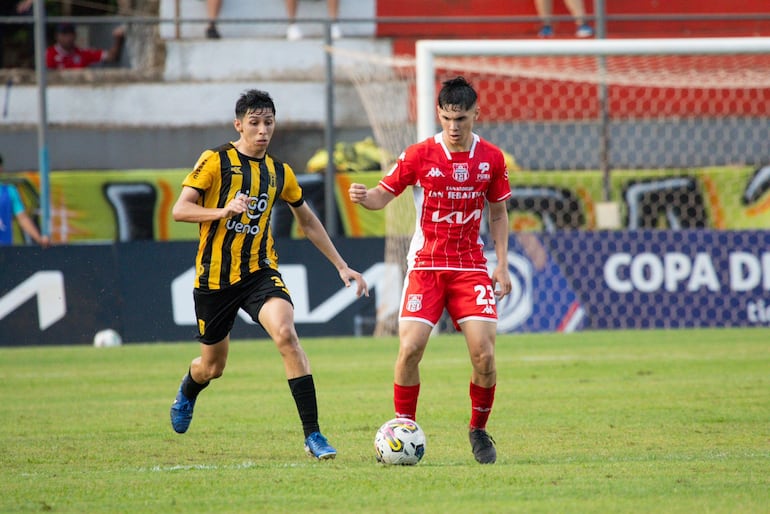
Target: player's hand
<point>348,274</point>
<point>237,205</point>
<point>357,193</point>
<point>501,282</point>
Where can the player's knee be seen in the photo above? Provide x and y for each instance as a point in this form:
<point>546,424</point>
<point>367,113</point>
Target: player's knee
<point>484,362</point>
<point>285,336</point>
<point>411,351</point>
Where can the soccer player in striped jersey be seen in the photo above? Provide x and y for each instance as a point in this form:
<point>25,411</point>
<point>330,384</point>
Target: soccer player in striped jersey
<point>453,175</point>
<point>231,194</point>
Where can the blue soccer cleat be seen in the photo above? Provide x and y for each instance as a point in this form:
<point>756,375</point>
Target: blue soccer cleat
<point>181,412</point>
<point>584,30</point>
<point>318,447</point>
<point>545,32</point>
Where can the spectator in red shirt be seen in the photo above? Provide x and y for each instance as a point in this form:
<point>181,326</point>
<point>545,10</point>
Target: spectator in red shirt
<point>65,54</point>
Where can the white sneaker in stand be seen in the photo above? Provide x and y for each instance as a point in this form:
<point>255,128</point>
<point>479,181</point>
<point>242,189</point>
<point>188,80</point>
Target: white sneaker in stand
<point>336,31</point>
<point>293,33</point>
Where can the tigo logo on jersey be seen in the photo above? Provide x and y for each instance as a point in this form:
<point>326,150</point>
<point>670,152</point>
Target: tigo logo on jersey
<point>461,172</point>
<point>414,302</point>
<point>257,205</point>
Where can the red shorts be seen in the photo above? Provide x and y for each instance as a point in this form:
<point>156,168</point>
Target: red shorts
<point>466,295</point>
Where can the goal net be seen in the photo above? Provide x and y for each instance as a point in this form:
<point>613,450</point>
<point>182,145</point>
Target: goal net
<point>622,134</point>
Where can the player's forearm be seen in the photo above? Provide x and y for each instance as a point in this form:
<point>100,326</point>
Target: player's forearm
<point>377,199</point>
<point>498,230</point>
<point>372,199</point>
<point>194,213</point>
<point>314,230</point>
<point>326,247</point>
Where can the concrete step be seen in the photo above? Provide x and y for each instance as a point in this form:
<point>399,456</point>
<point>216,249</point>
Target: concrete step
<point>265,18</point>
<point>201,78</point>
<point>259,58</point>
<point>176,104</point>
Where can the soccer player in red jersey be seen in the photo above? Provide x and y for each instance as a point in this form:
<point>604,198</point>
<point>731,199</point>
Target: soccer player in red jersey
<point>453,175</point>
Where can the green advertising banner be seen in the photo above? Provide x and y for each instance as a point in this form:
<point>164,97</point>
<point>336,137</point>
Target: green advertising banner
<point>720,198</point>
<point>111,205</point>
<point>99,206</point>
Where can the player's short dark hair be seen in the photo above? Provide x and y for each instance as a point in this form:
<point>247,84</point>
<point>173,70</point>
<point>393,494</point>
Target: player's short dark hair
<point>253,100</point>
<point>459,92</point>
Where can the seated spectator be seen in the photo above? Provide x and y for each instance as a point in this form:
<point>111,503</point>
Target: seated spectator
<point>576,8</point>
<point>65,54</point>
<point>294,33</point>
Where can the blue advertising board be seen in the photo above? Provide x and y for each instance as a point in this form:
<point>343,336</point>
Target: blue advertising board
<point>666,278</point>
<point>562,281</point>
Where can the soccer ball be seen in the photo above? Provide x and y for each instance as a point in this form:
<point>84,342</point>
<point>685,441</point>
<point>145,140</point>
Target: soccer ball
<point>400,441</point>
<point>107,338</point>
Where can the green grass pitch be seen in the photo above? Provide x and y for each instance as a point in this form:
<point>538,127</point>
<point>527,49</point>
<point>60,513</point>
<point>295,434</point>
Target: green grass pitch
<point>601,422</point>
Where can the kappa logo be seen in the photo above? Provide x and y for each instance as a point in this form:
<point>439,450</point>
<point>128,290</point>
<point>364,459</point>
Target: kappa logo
<point>434,173</point>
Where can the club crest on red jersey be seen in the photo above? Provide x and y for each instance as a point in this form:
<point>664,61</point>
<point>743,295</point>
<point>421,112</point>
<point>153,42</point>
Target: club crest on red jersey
<point>414,302</point>
<point>460,173</point>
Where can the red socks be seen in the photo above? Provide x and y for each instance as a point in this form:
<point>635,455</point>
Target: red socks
<point>482,399</point>
<point>405,400</point>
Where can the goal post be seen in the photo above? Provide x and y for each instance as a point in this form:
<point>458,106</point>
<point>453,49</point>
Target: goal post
<point>426,52</point>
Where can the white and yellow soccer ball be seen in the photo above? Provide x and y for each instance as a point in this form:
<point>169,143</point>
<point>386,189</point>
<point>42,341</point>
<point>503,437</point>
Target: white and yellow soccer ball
<point>399,441</point>
<point>107,338</point>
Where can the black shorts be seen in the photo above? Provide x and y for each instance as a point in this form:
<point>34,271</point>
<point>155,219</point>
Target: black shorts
<point>216,309</point>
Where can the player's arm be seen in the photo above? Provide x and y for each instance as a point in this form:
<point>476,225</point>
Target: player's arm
<point>316,233</point>
<point>373,199</point>
<point>188,209</point>
<point>498,230</point>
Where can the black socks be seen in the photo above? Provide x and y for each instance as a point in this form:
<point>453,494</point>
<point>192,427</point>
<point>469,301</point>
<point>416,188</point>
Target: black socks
<point>191,388</point>
<point>303,391</point>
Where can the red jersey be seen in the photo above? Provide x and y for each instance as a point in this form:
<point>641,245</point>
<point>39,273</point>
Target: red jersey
<point>450,190</point>
<point>58,58</point>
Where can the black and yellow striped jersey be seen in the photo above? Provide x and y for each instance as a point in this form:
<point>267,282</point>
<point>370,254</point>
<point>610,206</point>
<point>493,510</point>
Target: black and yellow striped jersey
<point>230,249</point>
